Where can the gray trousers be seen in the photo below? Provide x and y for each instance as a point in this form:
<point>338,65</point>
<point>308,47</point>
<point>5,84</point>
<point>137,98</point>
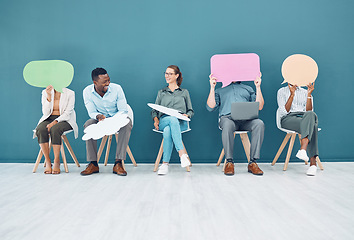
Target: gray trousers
<point>123,140</point>
<point>306,124</point>
<point>229,126</point>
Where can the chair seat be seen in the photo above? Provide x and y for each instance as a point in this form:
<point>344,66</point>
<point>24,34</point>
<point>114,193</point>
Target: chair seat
<point>291,131</point>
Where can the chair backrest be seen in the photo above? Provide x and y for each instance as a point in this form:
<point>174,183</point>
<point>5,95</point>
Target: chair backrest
<point>278,123</point>
<point>277,119</point>
<point>188,128</point>
<point>130,113</point>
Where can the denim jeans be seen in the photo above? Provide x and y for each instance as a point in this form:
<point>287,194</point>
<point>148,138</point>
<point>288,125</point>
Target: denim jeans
<point>172,128</point>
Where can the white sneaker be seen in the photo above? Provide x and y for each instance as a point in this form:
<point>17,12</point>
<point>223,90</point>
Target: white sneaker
<point>185,161</point>
<point>312,170</point>
<point>301,154</point>
<point>163,169</point>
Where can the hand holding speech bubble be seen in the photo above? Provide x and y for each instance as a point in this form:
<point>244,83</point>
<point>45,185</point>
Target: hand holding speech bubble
<point>228,68</point>
<point>299,69</point>
<point>57,73</point>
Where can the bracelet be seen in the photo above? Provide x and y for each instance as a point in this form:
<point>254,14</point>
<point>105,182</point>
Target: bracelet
<point>309,97</point>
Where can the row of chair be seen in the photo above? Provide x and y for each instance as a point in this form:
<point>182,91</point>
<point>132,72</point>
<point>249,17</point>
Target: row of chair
<point>243,135</point>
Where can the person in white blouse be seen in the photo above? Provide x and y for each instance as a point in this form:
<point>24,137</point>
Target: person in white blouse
<point>296,113</point>
<point>58,117</point>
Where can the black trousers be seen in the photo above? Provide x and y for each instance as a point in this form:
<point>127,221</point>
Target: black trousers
<point>55,132</point>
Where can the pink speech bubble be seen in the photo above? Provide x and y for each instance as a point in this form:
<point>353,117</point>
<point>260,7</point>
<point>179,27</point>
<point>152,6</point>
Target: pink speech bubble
<point>228,68</point>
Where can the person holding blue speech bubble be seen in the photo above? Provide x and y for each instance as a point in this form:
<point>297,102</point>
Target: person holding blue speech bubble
<point>221,99</point>
<point>176,98</point>
<point>104,99</point>
<point>58,117</point>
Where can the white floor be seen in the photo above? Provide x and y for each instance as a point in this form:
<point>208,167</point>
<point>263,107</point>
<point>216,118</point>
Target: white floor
<point>202,204</point>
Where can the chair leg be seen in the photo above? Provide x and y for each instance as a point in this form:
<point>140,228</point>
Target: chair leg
<point>223,168</point>
<point>64,158</point>
<point>38,160</point>
<point>108,148</point>
<point>123,165</point>
<point>131,156</point>
<point>100,150</point>
<point>290,149</point>
<point>306,162</point>
<point>246,144</point>
<point>222,154</point>
<point>285,141</point>
<point>159,155</point>
<point>50,149</point>
<point>68,146</point>
<point>319,163</point>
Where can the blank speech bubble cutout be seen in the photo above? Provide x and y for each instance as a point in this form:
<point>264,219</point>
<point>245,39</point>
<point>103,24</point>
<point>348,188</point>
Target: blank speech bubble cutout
<point>228,68</point>
<point>299,69</point>
<point>107,126</point>
<point>57,73</point>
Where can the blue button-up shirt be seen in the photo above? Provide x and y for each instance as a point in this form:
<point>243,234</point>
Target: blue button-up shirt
<point>111,103</point>
<point>235,92</point>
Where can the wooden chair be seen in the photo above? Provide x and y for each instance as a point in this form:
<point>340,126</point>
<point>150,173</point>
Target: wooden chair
<point>62,151</point>
<point>109,137</point>
<point>246,146</point>
<point>159,155</point>
<point>289,135</point>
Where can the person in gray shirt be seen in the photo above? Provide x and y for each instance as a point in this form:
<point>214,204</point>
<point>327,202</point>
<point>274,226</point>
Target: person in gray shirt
<point>221,99</point>
<point>176,98</point>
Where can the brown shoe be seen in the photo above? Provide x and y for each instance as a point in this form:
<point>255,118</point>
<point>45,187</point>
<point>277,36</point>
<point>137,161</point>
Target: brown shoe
<point>118,169</point>
<point>229,168</point>
<point>254,169</point>
<point>91,168</point>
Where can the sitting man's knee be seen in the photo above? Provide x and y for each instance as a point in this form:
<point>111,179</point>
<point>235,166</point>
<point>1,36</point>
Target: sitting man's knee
<point>259,124</point>
<point>227,125</point>
<point>89,122</point>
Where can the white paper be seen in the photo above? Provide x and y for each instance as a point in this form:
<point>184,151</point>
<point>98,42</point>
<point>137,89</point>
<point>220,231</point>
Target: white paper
<point>108,126</point>
<point>168,111</point>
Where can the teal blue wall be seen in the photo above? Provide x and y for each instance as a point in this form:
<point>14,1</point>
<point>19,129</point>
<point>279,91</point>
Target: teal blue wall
<point>136,40</point>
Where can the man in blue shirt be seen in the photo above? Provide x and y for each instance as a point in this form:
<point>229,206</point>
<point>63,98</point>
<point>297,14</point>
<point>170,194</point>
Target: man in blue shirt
<point>105,99</point>
<point>222,98</point>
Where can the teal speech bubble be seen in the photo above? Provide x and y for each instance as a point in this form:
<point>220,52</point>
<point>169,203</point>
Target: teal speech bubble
<point>57,73</point>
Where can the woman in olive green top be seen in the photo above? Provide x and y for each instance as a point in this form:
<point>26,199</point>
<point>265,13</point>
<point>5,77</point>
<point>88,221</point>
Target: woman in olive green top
<point>176,98</point>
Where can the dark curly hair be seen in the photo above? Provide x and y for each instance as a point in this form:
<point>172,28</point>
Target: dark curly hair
<point>97,71</point>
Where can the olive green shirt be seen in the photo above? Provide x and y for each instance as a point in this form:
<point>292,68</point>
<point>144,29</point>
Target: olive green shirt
<point>178,100</point>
